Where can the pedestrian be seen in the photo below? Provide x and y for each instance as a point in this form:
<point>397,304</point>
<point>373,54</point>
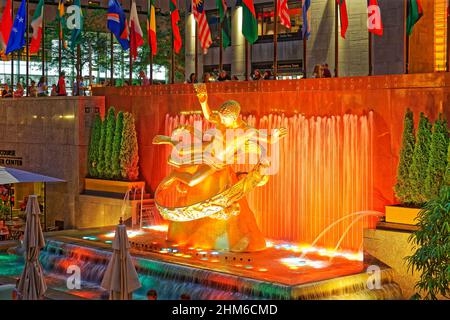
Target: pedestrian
<point>223,76</point>
<point>192,78</point>
<point>61,87</point>
<point>54,92</point>
<point>19,91</point>
<point>268,75</point>
<point>317,73</point>
<point>32,90</point>
<point>78,87</point>
<point>326,71</point>
<point>256,75</point>
<point>42,87</point>
<point>6,92</point>
<point>206,77</point>
<point>143,78</point>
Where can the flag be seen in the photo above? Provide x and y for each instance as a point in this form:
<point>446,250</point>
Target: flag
<point>226,30</point>
<point>6,25</point>
<point>222,7</point>
<point>306,13</point>
<point>415,12</point>
<point>225,21</point>
<point>175,17</point>
<point>136,34</point>
<point>16,39</point>
<point>77,31</point>
<point>151,27</point>
<point>249,21</point>
<point>204,33</point>
<point>343,16</point>
<point>283,13</point>
<point>60,17</point>
<point>36,24</point>
<point>374,22</point>
<point>117,23</point>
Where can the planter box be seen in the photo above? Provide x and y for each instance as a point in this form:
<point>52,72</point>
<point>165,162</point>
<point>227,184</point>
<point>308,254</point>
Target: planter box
<point>403,215</point>
<point>111,186</point>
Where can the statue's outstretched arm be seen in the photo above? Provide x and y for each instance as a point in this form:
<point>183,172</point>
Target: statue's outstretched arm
<point>272,138</point>
<point>161,139</point>
<point>202,95</point>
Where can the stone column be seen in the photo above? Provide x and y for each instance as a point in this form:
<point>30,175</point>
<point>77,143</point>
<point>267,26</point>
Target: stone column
<point>237,44</point>
<point>190,49</point>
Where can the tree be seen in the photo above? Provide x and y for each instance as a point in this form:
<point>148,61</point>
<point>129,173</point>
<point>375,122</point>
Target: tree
<point>421,156</point>
<point>115,166</point>
<point>447,172</point>
<point>432,248</point>
<point>403,186</point>
<point>101,151</point>
<point>109,138</point>
<point>94,146</point>
<point>437,163</point>
<point>129,157</point>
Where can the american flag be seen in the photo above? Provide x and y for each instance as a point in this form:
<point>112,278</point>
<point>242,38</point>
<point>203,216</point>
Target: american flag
<point>204,33</point>
<point>283,13</point>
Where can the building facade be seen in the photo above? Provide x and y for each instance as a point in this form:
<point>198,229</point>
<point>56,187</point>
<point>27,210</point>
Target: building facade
<point>389,52</point>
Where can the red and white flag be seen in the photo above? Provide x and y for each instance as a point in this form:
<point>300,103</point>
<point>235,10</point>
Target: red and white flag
<point>374,22</point>
<point>6,25</point>
<point>204,34</point>
<point>136,35</point>
<point>283,13</point>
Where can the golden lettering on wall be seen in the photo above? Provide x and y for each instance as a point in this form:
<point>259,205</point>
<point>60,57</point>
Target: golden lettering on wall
<point>9,158</point>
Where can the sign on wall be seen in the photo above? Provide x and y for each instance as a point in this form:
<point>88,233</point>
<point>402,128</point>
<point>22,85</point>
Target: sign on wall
<point>9,158</point>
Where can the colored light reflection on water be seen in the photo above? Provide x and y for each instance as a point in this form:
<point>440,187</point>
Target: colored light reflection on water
<point>295,262</point>
<point>130,233</point>
<point>160,228</point>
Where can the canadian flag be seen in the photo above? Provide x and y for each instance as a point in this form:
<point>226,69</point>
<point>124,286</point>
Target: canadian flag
<point>136,35</point>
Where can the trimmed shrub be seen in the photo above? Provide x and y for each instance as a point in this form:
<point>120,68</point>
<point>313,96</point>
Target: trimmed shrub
<point>109,138</point>
<point>129,157</point>
<point>93,146</point>
<point>101,151</point>
<point>403,186</point>
<point>437,163</point>
<point>447,172</point>
<point>421,156</point>
<point>115,165</point>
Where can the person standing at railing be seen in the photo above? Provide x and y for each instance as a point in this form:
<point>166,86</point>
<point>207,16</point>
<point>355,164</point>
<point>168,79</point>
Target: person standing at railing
<point>61,87</point>
<point>143,78</point>
<point>6,92</point>
<point>42,87</point>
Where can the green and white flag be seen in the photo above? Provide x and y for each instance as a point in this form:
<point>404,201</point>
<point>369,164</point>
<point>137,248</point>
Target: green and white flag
<point>76,20</point>
<point>36,24</point>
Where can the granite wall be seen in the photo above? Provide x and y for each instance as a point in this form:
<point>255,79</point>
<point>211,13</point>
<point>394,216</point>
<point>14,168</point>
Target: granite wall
<point>51,135</point>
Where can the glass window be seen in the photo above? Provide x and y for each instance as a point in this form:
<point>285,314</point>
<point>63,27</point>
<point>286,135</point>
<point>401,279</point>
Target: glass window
<point>265,14</point>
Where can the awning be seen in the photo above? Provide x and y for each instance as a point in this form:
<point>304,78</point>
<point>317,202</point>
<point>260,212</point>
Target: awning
<point>10,175</point>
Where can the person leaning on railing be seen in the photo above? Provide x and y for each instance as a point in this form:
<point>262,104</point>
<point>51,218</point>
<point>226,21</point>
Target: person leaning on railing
<point>6,92</point>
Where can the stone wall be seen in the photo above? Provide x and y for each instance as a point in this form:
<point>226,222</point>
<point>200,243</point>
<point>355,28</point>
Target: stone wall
<point>387,96</point>
<point>52,136</point>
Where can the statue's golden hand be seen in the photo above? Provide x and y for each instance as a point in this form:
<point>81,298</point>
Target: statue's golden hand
<point>200,90</point>
<point>160,139</point>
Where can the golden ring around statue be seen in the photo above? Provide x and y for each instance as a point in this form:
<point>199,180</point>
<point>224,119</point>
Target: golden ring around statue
<point>220,206</point>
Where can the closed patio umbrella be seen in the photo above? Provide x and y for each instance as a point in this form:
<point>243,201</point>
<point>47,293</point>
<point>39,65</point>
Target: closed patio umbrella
<point>121,278</point>
<point>32,281</point>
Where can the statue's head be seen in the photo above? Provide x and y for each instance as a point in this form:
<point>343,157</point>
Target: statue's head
<point>229,112</point>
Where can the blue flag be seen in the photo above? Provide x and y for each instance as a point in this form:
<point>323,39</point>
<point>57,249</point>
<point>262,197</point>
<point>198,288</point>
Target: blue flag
<point>306,19</point>
<point>16,37</point>
<point>117,23</point>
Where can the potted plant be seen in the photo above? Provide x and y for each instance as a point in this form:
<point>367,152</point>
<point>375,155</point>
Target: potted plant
<point>421,170</point>
<point>432,249</point>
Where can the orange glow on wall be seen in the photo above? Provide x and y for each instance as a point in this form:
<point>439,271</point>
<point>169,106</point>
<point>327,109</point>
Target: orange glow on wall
<point>440,35</point>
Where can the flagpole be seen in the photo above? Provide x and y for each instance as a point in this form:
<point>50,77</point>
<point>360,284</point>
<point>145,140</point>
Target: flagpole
<point>336,39</point>
<point>27,43</point>
<point>43,41</point>
<point>196,51</point>
<point>112,59</point>
<point>78,68</point>
<point>59,48</point>
<point>131,56</point>
<point>12,53</point>
<point>304,57</point>
<point>406,37</point>
<point>220,45</point>
<point>275,39</point>
<point>246,61</point>
<point>370,54</point>
<point>172,71</point>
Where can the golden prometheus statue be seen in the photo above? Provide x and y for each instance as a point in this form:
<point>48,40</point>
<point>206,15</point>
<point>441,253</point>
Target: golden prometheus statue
<point>203,198</point>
